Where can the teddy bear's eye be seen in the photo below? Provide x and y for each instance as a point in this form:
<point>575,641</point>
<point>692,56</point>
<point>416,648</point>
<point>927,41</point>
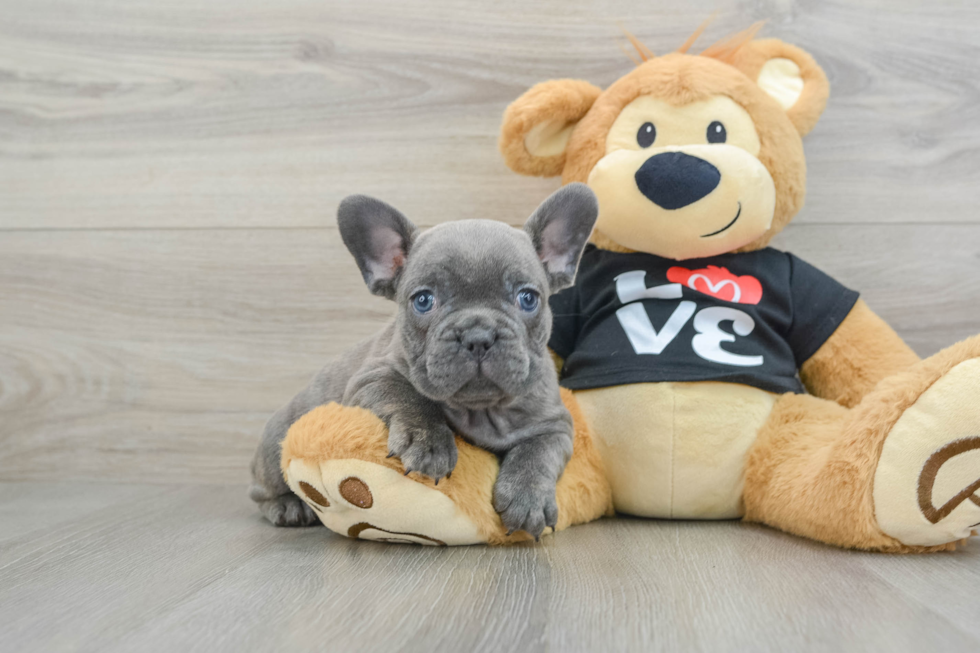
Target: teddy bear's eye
<point>717,133</point>
<point>647,135</point>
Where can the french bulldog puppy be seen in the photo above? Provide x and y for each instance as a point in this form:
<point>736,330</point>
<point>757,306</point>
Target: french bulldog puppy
<point>466,352</point>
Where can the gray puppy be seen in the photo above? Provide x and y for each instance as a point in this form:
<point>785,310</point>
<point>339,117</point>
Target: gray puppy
<point>466,352</point>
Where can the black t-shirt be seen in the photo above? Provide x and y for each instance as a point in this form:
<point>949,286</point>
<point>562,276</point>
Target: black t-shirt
<point>749,318</point>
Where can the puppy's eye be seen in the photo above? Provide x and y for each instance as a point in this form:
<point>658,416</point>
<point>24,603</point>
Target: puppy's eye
<point>527,300</point>
<point>646,135</point>
<point>717,133</point>
<point>423,301</point>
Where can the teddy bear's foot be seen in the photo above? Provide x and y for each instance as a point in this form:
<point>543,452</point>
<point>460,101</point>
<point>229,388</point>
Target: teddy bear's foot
<point>899,472</point>
<point>335,458</point>
<point>927,483</point>
<point>368,501</point>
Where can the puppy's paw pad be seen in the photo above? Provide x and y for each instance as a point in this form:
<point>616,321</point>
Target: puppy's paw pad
<point>525,507</point>
<point>288,511</point>
<point>431,452</point>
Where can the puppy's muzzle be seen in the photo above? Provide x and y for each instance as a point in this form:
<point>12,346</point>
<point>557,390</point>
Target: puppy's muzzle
<point>672,180</point>
<point>479,349</point>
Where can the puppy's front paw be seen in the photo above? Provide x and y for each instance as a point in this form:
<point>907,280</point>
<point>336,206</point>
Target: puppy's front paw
<point>428,450</point>
<point>288,510</point>
<point>525,504</point>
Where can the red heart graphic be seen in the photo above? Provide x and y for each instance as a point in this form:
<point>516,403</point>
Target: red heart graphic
<point>719,282</point>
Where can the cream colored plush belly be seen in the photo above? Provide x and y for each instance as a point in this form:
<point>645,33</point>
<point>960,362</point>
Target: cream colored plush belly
<point>676,450</point>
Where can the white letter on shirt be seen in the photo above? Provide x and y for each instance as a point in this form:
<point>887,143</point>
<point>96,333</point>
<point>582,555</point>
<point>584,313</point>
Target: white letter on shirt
<point>707,344</point>
<point>631,286</point>
<point>644,338</point>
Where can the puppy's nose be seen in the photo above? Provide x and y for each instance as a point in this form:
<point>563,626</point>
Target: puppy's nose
<point>673,180</point>
<point>478,341</point>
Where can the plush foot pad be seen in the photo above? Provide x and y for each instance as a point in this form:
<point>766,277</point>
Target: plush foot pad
<point>368,501</point>
<point>335,458</point>
<point>927,485</point>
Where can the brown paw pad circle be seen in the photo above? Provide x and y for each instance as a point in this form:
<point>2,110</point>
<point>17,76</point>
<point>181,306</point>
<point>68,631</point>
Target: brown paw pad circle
<point>314,495</point>
<point>356,492</point>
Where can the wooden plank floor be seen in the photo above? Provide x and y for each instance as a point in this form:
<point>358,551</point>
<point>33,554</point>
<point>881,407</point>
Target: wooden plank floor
<point>170,275</point>
<point>193,568</point>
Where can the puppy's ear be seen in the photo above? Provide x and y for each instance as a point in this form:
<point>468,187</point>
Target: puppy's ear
<point>379,237</point>
<point>559,229</point>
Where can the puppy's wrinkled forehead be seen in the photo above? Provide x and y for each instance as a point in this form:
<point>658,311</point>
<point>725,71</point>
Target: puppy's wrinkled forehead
<point>473,255</point>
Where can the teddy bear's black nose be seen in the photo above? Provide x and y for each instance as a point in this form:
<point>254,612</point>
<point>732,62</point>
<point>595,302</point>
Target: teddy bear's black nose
<point>673,179</point>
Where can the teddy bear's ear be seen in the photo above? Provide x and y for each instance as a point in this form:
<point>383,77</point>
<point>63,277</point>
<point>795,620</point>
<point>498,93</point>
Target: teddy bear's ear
<point>788,75</point>
<point>538,124</point>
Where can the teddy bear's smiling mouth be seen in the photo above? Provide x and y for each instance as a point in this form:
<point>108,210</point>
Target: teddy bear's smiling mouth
<point>734,220</point>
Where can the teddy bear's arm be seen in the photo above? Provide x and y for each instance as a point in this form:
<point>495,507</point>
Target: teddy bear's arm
<point>862,351</point>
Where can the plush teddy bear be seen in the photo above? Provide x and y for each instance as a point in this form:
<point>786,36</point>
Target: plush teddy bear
<point>710,376</point>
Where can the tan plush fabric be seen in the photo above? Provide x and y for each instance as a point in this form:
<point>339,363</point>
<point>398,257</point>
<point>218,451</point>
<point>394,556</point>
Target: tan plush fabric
<point>745,193</point>
<point>812,469</point>
<point>683,79</point>
<point>679,79</point>
<point>364,500</point>
<point>334,432</point>
<point>676,450</point>
<point>561,103</point>
<point>927,483</point>
<point>863,351</point>
<point>806,111</point>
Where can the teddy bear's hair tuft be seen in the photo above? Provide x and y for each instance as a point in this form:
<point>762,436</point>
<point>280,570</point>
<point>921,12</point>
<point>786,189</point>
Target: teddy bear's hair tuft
<point>725,49</point>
